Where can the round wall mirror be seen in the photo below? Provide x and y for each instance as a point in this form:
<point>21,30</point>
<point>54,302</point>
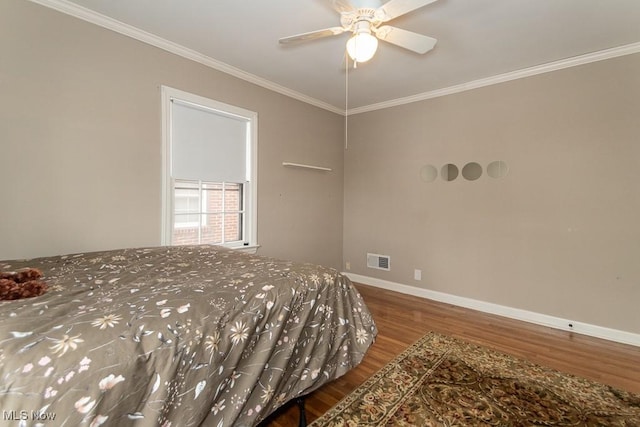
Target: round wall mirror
<point>471,171</point>
<point>428,173</point>
<point>497,169</point>
<point>449,172</point>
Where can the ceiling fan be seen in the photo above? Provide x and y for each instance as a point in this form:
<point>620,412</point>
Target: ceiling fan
<point>364,19</point>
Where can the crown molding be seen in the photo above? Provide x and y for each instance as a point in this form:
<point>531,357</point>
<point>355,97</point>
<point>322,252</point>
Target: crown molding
<point>96,18</point>
<point>501,78</point>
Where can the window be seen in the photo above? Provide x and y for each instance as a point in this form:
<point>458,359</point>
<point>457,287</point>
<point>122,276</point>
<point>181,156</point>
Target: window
<point>187,206</point>
<point>207,212</point>
<point>209,170</point>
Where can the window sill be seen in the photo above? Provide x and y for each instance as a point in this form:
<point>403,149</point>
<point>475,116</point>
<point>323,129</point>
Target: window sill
<point>250,249</point>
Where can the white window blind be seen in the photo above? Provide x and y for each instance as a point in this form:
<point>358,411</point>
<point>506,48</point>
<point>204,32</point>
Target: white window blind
<point>212,146</point>
<point>208,145</point>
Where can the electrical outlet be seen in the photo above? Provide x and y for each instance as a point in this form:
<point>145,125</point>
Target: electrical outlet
<point>347,265</point>
<point>417,274</point>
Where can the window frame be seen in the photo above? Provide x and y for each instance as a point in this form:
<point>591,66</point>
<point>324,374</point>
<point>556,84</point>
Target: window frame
<point>250,220</point>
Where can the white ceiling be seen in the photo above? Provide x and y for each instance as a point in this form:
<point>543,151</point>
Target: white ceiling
<point>477,39</point>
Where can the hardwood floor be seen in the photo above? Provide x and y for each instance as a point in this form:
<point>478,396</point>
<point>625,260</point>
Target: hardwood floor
<point>403,319</point>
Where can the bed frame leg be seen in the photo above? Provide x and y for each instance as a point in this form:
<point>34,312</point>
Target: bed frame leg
<point>303,417</point>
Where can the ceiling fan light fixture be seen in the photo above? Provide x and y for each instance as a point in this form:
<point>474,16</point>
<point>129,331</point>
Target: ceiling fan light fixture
<point>362,46</point>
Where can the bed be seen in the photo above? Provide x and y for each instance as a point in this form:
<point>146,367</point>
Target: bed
<point>174,336</point>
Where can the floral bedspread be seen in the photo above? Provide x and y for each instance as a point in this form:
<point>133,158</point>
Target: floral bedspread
<point>174,336</point>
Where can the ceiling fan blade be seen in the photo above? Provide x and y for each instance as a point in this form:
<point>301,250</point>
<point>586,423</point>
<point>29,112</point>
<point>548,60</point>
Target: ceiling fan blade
<point>406,39</point>
<point>395,8</point>
<point>342,6</point>
<point>327,32</point>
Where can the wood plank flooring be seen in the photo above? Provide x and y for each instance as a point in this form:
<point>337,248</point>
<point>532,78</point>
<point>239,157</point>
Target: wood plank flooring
<point>403,319</point>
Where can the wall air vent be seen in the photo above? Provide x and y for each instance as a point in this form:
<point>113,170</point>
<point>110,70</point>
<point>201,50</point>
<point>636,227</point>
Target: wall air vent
<point>381,262</point>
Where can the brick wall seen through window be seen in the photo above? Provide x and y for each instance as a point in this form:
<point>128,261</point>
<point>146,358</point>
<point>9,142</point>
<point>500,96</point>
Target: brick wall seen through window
<point>207,212</point>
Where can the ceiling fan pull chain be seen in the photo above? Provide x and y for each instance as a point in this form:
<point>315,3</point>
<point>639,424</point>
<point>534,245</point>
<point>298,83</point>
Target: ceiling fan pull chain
<point>346,103</point>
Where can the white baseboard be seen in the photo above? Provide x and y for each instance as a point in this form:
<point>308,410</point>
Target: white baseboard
<point>501,310</point>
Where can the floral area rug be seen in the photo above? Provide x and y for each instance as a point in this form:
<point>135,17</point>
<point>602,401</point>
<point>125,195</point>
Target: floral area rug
<point>443,381</point>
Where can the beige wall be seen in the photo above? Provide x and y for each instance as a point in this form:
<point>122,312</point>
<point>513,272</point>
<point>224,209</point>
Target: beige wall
<point>80,139</point>
<point>80,143</point>
<point>560,235</point>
